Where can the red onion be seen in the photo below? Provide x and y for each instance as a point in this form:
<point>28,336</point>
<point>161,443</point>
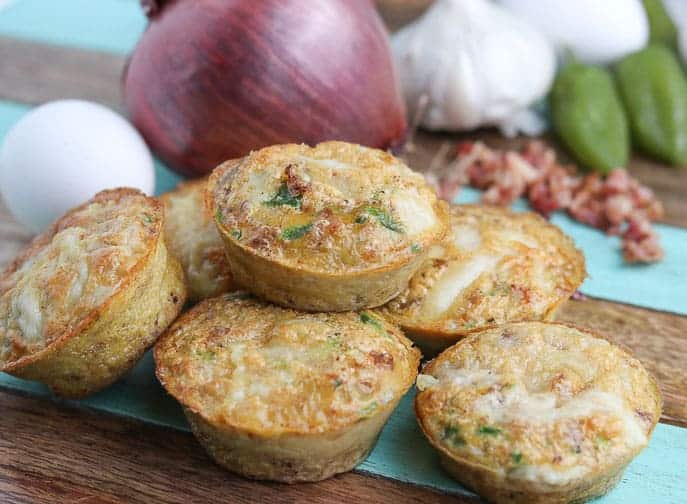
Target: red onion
<point>212,79</point>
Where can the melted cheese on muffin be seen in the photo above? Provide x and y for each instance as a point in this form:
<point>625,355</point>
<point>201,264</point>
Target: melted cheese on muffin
<point>69,271</point>
<point>239,362</point>
<point>192,237</point>
<point>536,402</point>
<point>332,208</point>
<point>494,266</point>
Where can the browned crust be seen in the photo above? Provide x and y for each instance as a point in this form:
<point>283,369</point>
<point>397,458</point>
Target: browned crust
<point>45,238</point>
<point>220,259</point>
<point>319,455</point>
<point>185,186</point>
<point>433,339</point>
<point>304,288</point>
<point>440,207</point>
<point>178,392</point>
<point>489,483</point>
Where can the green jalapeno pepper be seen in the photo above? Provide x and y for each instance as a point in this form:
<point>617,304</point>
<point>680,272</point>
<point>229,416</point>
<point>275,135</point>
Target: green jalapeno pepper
<point>653,87</point>
<point>588,116</point>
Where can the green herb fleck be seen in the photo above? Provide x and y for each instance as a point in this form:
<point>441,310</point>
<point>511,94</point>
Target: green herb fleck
<point>337,382</point>
<point>516,457</point>
<point>488,430</point>
<point>500,288</point>
<point>334,342</point>
<point>284,197</point>
<point>219,216</point>
<point>361,219</point>
<point>148,219</point>
<point>601,441</point>
<point>206,355</point>
<point>369,409</point>
<point>416,248</point>
<point>366,318</point>
<point>385,219</point>
<point>282,364</point>
<point>452,434</point>
<point>236,234</point>
<point>376,195</point>
<point>469,325</point>
<point>295,232</point>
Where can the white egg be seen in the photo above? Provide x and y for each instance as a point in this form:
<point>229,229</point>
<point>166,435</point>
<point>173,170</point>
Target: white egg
<point>595,31</point>
<point>60,154</point>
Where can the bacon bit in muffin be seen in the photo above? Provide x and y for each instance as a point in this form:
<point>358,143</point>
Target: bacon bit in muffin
<point>618,205</point>
<point>382,359</point>
<point>296,185</point>
<point>264,238</point>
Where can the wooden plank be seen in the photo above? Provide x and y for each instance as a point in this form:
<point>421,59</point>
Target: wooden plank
<point>13,236</point>
<point>33,73</point>
<point>50,453</point>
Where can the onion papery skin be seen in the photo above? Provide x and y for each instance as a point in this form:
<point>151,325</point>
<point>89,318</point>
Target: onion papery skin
<point>212,80</point>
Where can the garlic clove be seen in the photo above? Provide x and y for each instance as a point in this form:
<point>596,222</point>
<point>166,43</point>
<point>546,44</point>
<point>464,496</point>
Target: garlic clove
<point>477,64</point>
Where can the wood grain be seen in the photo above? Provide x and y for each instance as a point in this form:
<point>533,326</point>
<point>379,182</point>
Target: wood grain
<point>33,73</point>
<point>51,453</point>
<point>13,236</point>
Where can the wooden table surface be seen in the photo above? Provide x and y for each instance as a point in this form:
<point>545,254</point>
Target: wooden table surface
<point>50,452</point>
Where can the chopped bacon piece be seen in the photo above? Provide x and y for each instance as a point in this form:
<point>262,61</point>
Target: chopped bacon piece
<point>382,359</point>
<point>618,204</point>
<point>640,241</point>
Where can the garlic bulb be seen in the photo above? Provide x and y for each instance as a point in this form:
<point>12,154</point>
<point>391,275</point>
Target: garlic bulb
<point>474,64</point>
<point>595,31</point>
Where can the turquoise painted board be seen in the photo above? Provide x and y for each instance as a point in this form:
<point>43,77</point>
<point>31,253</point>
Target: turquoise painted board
<point>655,477</point>
<point>103,25</point>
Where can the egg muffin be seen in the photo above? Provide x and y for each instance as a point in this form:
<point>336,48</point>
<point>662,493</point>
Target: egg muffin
<point>536,412</point>
<point>334,227</point>
<point>87,297</point>
<point>277,394</point>
<point>494,266</point>
<point>193,239</point>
